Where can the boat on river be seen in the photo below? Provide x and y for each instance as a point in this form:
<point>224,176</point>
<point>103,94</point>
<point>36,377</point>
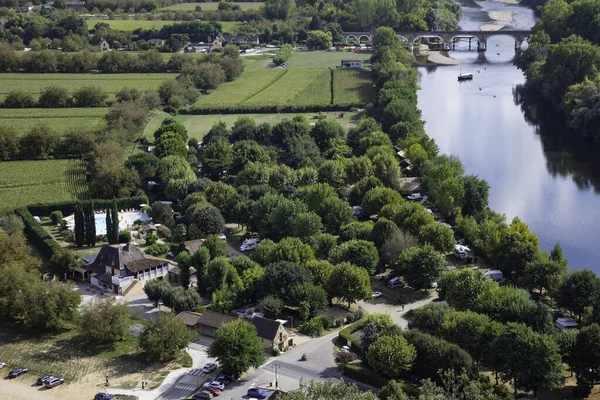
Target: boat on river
<point>465,77</point>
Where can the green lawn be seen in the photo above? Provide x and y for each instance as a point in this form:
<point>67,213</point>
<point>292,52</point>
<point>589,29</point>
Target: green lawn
<point>323,59</point>
<point>352,86</point>
<point>210,6</point>
<point>59,119</point>
<point>44,181</point>
<point>110,83</point>
<point>133,24</point>
<point>199,125</point>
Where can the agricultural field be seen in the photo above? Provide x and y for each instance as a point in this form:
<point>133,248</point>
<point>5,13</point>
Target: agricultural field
<point>198,125</point>
<point>212,6</point>
<point>110,83</point>
<point>297,87</point>
<point>133,24</point>
<point>44,181</point>
<point>324,59</point>
<point>58,119</point>
<point>352,86</point>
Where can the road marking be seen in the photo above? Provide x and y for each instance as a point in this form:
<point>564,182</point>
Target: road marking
<point>185,386</point>
<point>195,372</point>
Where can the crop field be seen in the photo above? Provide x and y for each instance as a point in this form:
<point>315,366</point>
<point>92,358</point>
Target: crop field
<point>211,6</point>
<point>59,119</point>
<point>198,125</point>
<point>352,86</point>
<point>297,87</point>
<point>324,59</point>
<point>44,181</point>
<point>133,24</point>
<point>110,83</point>
<point>249,84</point>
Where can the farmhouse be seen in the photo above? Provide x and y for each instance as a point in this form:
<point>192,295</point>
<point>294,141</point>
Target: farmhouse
<point>117,268</point>
<point>238,39</point>
<point>272,333</point>
<point>104,46</point>
<point>351,63</point>
<point>205,323</point>
<point>75,4</point>
<point>157,42</point>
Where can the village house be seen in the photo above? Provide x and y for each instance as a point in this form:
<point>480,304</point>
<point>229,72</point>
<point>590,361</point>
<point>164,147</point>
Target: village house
<point>205,323</point>
<point>104,46</point>
<point>192,246</point>
<point>157,42</point>
<point>351,63</point>
<point>117,268</point>
<point>272,333</point>
<point>239,39</point>
<point>26,8</point>
<point>75,4</point>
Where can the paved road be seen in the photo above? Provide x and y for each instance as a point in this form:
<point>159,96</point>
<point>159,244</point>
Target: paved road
<point>396,311</point>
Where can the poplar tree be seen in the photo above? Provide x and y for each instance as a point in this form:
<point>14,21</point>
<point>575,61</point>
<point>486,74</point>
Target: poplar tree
<point>79,225</point>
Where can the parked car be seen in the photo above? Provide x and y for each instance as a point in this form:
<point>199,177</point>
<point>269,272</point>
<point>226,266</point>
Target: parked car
<point>17,371</point>
<point>2,364</point>
<point>203,395</point>
<point>215,385</point>
<point>214,392</point>
<point>377,294</point>
<point>222,237</point>
<point>209,367</point>
<point>461,251</point>
<point>52,382</point>
<point>104,396</point>
<point>414,196</point>
<point>43,379</point>
<point>249,244</point>
<point>225,376</point>
<point>395,283</point>
<point>257,393</point>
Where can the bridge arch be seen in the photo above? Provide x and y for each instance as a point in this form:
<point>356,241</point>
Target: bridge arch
<point>430,35</point>
<point>348,37</point>
<point>366,37</point>
<point>519,39</point>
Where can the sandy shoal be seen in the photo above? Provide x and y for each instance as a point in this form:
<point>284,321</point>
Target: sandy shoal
<point>500,18</point>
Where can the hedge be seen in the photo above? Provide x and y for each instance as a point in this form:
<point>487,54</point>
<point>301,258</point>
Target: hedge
<point>37,235</point>
<point>267,109</point>
<point>360,373</point>
<point>68,207</point>
<point>346,334</point>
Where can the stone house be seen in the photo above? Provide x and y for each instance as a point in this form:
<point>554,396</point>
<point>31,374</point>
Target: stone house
<point>272,333</point>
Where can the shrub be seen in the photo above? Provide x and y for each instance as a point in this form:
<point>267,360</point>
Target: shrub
<point>37,235</point>
<point>313,326</point>
<point>345,357</point>
<point>157,250</point>
<point>164,232</point>
<point>276,352</point>
<point>56,217</point>
<point>124,237</point>
<point>362,374</point>
<point>354,316</point>
<point>328,322</point>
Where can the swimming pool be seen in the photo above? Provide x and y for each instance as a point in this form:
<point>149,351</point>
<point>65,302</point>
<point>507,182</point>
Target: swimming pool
<point>126,220</point>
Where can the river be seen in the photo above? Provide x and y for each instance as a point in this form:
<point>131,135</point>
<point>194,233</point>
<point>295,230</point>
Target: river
<point>546,177</point>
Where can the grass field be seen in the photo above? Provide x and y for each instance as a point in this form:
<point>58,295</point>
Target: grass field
<point>133,24</point>
<point>210,6</point>
<point>198,125</point>
<point>352,86</point>
<point>59,119</point>
<point>110,83</point>
<point>323,59</point>
<point>44,181</point>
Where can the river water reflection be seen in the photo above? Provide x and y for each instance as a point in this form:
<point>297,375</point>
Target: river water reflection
<point>548,178</point>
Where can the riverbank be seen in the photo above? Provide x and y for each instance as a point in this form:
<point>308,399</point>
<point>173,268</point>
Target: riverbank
<point>500,20</point>
<point>429,57</point>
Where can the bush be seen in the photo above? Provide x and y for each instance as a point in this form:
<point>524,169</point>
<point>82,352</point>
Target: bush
<point>345,335</point>
<point>56,217</point>
<point>313,326</point>
<point>354,316</point>
<point>328,322</point>
<point>124,237</point>
<point>276,352</point>
<point>164,232</point>
<point>362,374</point>
<point>345,357</point>
<point>157,250</point>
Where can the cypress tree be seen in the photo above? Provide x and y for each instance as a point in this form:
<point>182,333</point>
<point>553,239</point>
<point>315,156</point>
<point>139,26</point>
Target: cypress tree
<point>90,225</point>
<point>79,225</point>
<point>108,226</point>
<point>115,222</point>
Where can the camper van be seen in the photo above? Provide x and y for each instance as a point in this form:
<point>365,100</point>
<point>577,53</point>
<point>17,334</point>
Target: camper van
<point>395,283</point>
<point>495,274</point>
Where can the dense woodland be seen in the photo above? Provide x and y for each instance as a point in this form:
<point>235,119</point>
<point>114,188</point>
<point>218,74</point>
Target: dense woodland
<point>562,62</point>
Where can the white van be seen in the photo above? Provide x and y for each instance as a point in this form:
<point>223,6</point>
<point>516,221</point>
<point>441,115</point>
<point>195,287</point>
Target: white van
<point>495,275</point>
<point>395,283</point>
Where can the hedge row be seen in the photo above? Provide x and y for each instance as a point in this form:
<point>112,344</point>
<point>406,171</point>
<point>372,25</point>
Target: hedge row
<point>346,334</point>
<point>362,374</point>
<point>37,235</point>
<point>267,109</point>
<point>68,207</point>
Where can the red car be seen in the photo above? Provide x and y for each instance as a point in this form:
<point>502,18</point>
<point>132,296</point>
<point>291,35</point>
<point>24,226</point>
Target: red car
<point>214,391</point>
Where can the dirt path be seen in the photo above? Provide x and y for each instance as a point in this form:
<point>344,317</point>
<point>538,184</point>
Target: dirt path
<point>396,311</point>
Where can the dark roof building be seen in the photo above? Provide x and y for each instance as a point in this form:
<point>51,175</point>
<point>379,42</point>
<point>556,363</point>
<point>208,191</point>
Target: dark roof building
<point>272,333</point>
<point>192,246</point>
<point>206,323</point>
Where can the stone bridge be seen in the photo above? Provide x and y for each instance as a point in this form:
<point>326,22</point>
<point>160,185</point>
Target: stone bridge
<point>448,38</point>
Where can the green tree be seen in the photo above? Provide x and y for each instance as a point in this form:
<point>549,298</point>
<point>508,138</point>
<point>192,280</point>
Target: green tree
<point>578,291</point>
<point>349,283</point>
<point>357,252</point>
<point>89,96</point>
<point>391,355</point>
<point>328,391</point>
<point>216,247</point>
<point>237,347</point>
<point>476,195</point>
<point>279,9</point>
<point>272,305</point>
<point>421,266</point>
<point>544,274</point>
<point>217,157</point>
<point>104,320</point>
<point>311,299</point>
<point>18,99</point>
<point>393,390</point>
<point>383,231</point>
<point>439,236</point>
<point>358,191</point>
<point>64,262</point>
<point>585,355</point>
<point>205,221</point>
<point>164,338</point>
<point>156,290</point>
<point>280,276</point>
<point>461,288</point>
<point>54,97</point>
<point>374,200</point>
<point>39,143</point>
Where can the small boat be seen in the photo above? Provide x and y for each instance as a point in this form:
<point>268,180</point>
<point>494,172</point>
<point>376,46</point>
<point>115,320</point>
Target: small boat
<point>465,77</point>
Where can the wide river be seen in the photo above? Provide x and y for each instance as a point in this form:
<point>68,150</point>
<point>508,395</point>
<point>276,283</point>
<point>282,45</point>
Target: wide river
<point>543,175</point>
